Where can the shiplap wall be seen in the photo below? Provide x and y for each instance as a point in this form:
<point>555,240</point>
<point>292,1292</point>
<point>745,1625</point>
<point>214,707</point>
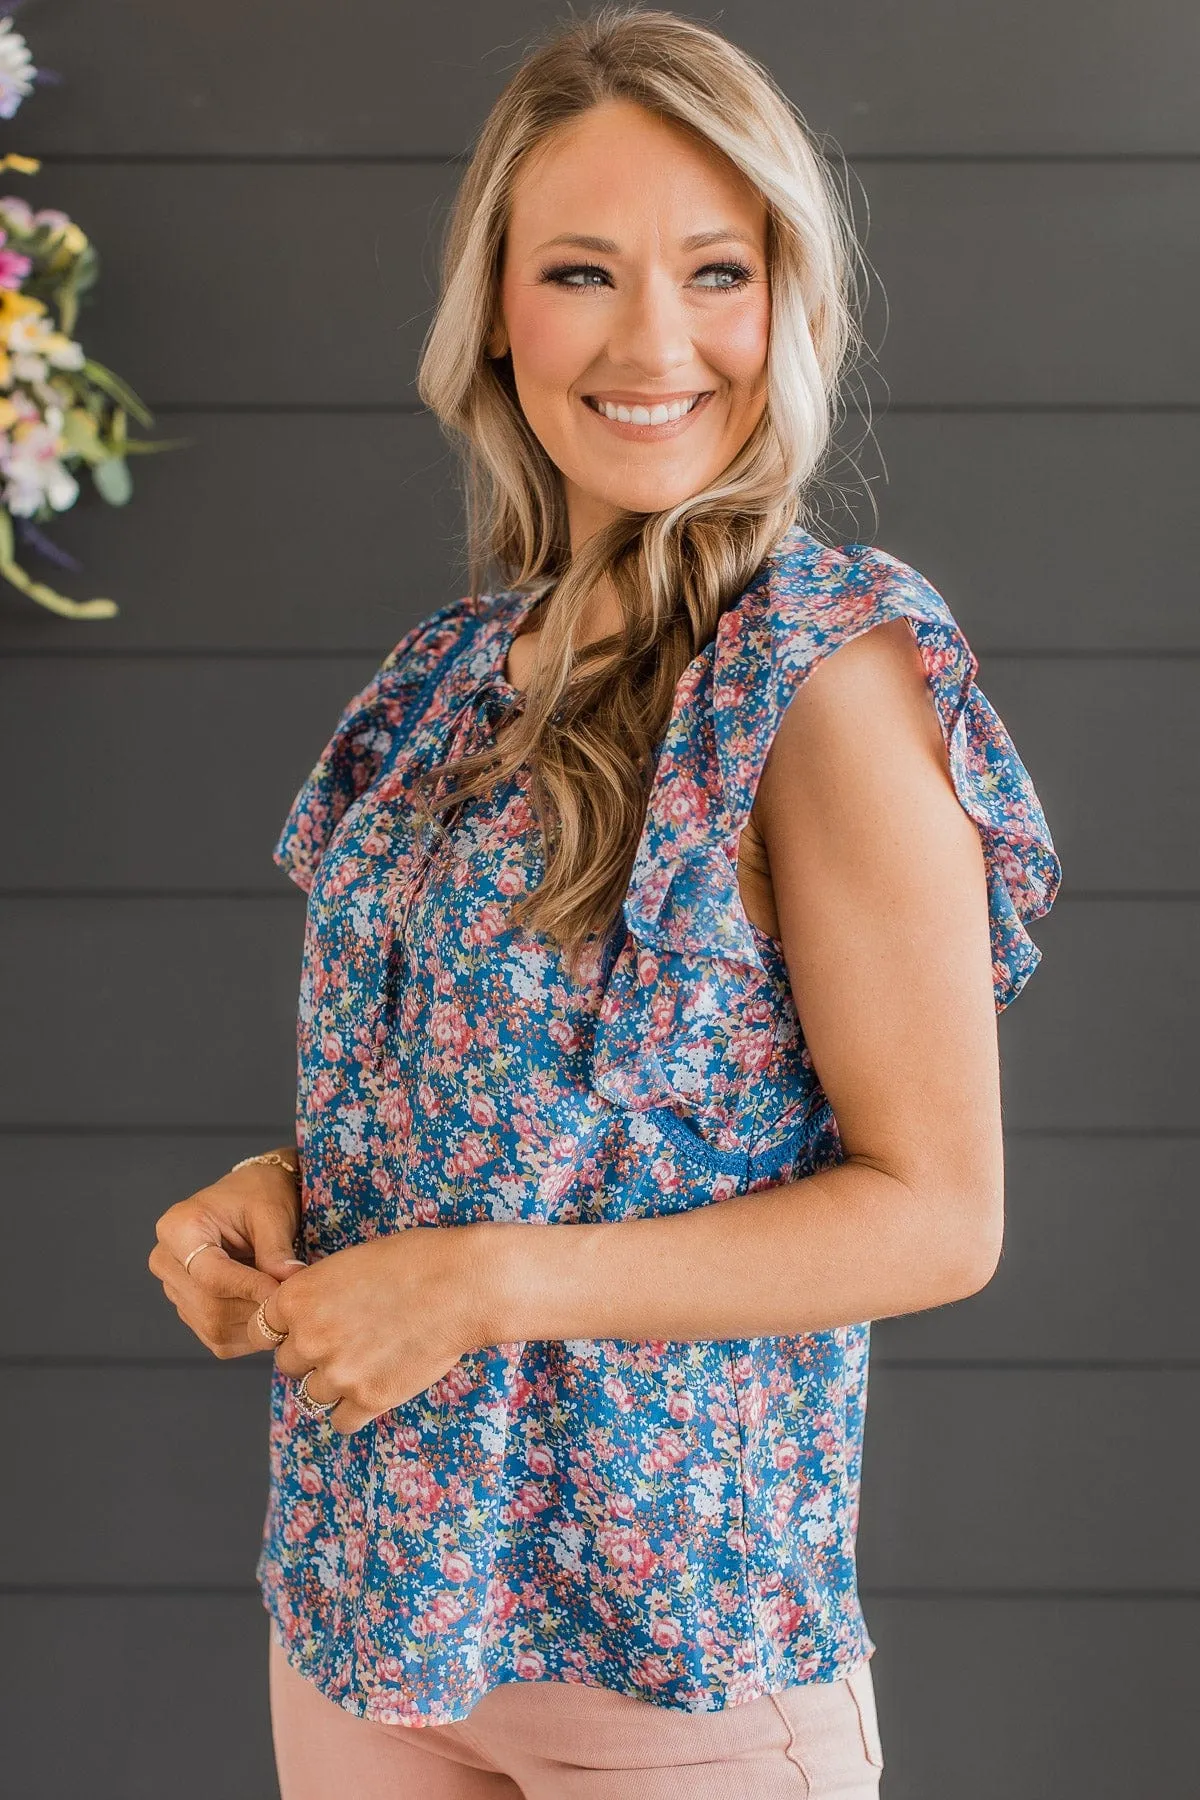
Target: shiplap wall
<point>266,183</point>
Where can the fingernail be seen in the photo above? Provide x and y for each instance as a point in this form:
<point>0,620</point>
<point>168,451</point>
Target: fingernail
<point>293,1262</point>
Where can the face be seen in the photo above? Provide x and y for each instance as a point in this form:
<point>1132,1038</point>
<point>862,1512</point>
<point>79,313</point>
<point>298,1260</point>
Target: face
<point>634,277</point>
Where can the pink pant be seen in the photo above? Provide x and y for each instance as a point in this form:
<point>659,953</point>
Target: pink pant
<point>555,1740</point>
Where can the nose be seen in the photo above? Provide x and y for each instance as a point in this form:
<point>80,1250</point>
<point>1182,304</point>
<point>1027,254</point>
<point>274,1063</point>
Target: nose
<point>651,330</point>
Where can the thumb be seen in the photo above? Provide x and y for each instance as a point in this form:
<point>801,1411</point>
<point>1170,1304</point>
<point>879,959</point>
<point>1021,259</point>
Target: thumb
<point>228,1279</point>
<point>274,1250</point>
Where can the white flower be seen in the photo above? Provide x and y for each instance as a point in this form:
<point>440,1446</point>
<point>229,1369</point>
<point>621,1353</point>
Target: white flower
<point>30,461</point>
<point>16,69</point>
<point>33,343</point>
<point>18,212</point>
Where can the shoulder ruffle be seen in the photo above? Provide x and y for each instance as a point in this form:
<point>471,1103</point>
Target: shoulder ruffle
<point>693,968</point>
<point>390,704</point>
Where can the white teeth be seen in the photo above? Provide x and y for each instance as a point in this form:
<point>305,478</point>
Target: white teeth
<point>645,415</point>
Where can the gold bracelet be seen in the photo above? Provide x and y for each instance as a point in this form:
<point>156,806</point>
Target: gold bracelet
<point>268,1156</point>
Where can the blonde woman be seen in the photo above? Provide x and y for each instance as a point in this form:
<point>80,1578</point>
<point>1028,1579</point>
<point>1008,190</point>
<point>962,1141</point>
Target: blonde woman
<point>647,1031</point>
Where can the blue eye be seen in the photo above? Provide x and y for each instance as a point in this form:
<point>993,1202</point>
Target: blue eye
<point>561,272</point>
<point>739,271</point>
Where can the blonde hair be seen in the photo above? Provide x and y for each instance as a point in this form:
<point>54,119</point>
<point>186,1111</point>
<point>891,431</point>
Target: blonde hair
<point>587,733</point>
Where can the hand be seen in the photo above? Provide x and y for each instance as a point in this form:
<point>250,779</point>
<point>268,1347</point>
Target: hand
<point>380,1322</point>
<point>253,1215</point>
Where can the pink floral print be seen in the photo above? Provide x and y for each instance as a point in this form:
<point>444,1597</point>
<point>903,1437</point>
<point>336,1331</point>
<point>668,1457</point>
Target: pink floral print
<point>673,1520</point>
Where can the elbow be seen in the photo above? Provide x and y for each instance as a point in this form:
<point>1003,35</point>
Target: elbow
<point>973,1251</point>
<point>973,1272</point>
<point>967,1226</point>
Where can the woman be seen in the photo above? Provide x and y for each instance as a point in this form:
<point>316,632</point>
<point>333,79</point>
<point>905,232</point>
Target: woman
<point>647,1030</point>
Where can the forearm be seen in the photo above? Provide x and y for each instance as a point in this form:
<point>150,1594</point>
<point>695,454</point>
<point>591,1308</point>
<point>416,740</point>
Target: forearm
<point>845,1244</point>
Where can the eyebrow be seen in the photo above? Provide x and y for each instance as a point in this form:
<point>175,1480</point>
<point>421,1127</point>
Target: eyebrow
<point>606,246</point>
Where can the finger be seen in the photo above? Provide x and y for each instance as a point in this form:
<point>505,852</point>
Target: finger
<point>347,1418</point>
<point>345,1414</point>
<point>321,1390</point>
<point>274,1242</point>
<point>220,1327</point>
<point>294,1359</point>
<point>224,1279</point>
<point>203,1247</point>
<point>258,1338</point>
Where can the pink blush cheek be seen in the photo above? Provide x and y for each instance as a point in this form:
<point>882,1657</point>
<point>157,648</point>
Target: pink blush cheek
<point>552,341</point>
<point>738,350</point>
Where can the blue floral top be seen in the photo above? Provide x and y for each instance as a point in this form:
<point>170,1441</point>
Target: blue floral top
<point>672,1520</point>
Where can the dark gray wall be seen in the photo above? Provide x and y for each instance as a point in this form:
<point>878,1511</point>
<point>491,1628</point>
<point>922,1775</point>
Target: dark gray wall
<point>266,182</point>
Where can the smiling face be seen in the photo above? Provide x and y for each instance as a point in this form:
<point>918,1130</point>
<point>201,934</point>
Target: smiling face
<point>635,304</point>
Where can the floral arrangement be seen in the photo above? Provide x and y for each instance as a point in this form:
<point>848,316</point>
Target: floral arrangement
<point>60,410</point>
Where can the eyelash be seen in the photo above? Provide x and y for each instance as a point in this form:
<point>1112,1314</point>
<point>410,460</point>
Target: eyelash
<point>560,270</point>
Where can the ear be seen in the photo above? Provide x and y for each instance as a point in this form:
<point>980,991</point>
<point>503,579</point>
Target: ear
<point>497,341</point>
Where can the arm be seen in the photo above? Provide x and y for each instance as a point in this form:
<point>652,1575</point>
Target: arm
<point>880,889</point>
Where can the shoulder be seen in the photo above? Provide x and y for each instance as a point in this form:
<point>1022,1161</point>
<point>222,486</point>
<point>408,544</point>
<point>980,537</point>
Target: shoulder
<point>434,640</point>
<point>810,598</point>
<point>377,723</point>
<point>807,602</point>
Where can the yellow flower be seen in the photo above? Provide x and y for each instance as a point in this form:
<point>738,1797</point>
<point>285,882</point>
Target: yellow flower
<point>17,306</point>
<point>5,369</point>
<point>73,239</point>
<point>24,165</point>
<point>8,413</point>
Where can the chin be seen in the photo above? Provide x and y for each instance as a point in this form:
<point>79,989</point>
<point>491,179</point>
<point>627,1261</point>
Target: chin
<point>650,497</point>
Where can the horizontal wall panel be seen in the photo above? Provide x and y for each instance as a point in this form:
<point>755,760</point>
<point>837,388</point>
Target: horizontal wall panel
<point>161,1012</point>
<point>269,284</point>
<point>340,530</point>
<point>155,1476</point>
<point>1101,1242</point>
<point>998,1479</point>
<point>1013,283</point>
<point>181,1012</point>
<point>267,531</point>
<point>1100,1239</point>
<point>1103,1691</point>
<point>218,286</point>
<point>166,1695</point>
<point>985,1478</point>
<point>168,795</point>
<point>1104,1038</point>
<point>995,1699</point>
<point>271,79</point>
<point>105,1195</point>
<point>190,766</point>
<point>1043,530</point>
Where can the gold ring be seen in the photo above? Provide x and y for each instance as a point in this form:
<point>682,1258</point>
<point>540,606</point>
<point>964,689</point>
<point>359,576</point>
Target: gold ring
<point>268,1331</point>
<point>306,1403</point>
<point>187,1261</point>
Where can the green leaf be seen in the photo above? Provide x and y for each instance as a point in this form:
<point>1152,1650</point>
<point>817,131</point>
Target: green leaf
<point>113,481</point>
<point>147,446</point>
<point>118,390</point>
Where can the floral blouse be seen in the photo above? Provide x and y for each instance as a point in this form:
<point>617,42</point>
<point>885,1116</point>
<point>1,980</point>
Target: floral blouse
<point>675,1521</point>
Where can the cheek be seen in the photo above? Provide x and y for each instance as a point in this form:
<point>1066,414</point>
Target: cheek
<point>552,343</point>
<point>738,346</point>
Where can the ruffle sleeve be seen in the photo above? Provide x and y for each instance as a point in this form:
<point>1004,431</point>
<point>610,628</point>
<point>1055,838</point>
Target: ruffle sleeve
<point>372,724</point>
<point>694,979</point>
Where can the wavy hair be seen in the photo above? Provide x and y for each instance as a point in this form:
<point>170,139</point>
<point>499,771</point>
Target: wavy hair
<point>592,717</point>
